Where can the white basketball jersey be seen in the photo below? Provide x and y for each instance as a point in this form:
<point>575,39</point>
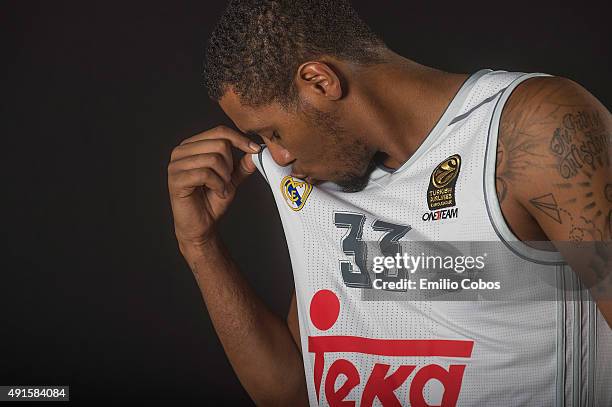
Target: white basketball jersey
<point>365,345</point>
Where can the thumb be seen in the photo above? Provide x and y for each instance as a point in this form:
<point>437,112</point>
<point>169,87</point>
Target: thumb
<point>243,169</point>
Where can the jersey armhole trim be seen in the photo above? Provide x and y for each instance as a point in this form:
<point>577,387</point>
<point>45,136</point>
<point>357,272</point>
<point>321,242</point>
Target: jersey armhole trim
<point>494,211</point>
<point>260,159</point>
<point>560,340</point>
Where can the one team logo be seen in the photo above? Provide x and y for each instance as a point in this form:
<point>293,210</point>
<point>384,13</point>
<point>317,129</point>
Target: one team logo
<point>441,191</point>
<point>295,192</point>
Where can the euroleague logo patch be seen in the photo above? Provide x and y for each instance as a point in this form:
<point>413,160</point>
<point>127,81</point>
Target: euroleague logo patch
<point>295,192</point>
<point>441,191</point>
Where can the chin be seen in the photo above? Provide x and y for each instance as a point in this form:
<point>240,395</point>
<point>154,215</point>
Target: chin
<point>353,186</point>
<point>356,183</point>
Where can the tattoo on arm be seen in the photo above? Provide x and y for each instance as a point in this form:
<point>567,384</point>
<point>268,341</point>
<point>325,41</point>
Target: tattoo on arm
<point>517,152</point>
<point>582,227</point>
<point>575,152</point>
<point>554,159</point>
<point>547,204</point>
<point>541,134</point>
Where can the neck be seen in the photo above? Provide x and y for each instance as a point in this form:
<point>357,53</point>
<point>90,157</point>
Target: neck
<point>398,103</point>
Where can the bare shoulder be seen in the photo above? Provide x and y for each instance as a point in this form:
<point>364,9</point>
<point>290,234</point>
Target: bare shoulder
<point>553,155</point>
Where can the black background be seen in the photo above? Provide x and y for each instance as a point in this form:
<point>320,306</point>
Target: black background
<point>95,95</point>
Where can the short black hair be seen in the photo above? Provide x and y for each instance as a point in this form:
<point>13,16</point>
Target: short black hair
<point>258,45</point>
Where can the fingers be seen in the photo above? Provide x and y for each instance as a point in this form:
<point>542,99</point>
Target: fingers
<point>214,161</point>
<point>206,160</point>
<point>236,139</point>
<point>221,147</point>
<point>218,140</point>
<point>244,168</point>
<point>188,180</point>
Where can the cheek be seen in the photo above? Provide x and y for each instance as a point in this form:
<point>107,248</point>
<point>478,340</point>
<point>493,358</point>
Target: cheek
<point>311,150</point>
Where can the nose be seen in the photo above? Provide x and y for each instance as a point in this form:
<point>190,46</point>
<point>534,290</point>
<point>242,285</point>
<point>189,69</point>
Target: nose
<point>280,155</point>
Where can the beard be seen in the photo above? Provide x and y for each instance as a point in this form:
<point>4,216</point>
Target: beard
<point>354,160</point>
<point>357,183</point>
<point>356,177</point>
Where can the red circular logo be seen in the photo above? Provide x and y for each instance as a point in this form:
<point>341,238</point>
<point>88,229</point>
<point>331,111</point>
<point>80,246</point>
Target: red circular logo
<point>324,309</point>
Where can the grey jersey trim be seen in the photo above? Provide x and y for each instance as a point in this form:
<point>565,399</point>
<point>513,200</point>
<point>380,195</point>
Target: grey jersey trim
<point>590,356</point>
<point>560,376</point>
<point>385,168</point>
<point>492,203</point>
<point>263,147</point>
<point>453,107</point>
<point>469,112</point>
<point>576,350</point>
<point>594,354</point>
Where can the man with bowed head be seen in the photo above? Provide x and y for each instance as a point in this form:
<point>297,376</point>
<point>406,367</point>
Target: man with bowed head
<point>363,144</point>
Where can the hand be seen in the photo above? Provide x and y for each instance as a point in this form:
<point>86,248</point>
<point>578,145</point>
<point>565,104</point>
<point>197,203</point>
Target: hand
<point>202,181</point>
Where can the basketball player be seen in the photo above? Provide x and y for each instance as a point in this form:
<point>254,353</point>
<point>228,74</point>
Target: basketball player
<point>364,145</point>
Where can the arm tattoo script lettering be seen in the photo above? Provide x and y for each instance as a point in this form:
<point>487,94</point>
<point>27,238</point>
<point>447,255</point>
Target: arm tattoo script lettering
<point>575,152</point>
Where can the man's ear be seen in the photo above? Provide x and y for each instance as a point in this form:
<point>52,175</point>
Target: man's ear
<point>316,79</point>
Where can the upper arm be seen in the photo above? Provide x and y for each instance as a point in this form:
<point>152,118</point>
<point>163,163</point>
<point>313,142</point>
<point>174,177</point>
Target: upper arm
<point>565,183</point>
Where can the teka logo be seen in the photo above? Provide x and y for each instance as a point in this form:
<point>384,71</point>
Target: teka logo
<point>324,312</point>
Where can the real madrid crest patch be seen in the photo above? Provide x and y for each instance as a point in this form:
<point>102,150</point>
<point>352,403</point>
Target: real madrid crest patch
<point>295,192</point>
<point>441,191</point>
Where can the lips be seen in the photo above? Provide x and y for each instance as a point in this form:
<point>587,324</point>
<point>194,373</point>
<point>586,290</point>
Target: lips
<point>304,177</point>
<point>298,175</point>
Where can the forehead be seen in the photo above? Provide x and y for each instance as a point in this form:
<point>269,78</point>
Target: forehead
<point>248,118</point>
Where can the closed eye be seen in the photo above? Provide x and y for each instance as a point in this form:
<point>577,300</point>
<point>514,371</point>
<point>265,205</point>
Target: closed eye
<point>254,135</point>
